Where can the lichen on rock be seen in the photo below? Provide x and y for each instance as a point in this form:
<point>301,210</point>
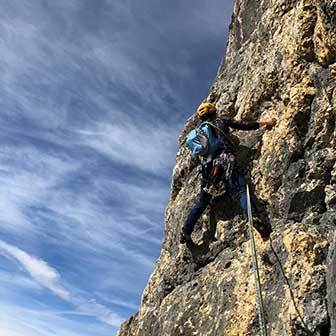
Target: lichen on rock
<point>280,62</point>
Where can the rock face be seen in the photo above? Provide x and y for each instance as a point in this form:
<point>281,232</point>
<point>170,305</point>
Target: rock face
<point>280,62</point>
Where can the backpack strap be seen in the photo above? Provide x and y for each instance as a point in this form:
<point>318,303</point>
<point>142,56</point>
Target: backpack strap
<point>220,131</point>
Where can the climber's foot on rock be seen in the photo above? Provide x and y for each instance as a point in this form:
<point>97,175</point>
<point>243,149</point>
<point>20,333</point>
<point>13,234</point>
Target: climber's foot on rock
<point>185,238</point>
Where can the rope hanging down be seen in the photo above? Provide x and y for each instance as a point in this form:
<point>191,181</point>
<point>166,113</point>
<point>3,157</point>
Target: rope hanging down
<point>260,302</point>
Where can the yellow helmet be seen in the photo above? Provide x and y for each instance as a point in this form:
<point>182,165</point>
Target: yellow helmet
<point>205,109</point>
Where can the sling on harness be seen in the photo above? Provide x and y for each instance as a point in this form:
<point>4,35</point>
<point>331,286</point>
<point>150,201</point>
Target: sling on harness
<point>217,172</point>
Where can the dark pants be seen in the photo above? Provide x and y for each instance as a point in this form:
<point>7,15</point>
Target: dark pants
<point>236,185</point>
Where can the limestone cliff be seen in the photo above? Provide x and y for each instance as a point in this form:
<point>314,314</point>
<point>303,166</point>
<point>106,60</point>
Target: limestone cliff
<point>280,62</point>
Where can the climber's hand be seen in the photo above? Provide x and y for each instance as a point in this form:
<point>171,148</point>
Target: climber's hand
<point>268,122</point>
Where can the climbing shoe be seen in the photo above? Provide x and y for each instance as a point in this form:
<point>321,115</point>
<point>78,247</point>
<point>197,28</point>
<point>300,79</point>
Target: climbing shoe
<point>185,238</point>
<point>263,227</point>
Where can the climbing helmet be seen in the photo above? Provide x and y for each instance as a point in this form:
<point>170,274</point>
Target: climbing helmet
<point>205,109</point>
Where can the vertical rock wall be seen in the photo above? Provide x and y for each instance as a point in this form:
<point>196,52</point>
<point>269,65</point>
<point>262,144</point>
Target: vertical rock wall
<point>280,62</point>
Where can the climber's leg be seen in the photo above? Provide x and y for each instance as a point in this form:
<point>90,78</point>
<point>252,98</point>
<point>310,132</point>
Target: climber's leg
<point>260,221</point>
<point>196,211</point>
<point>238,186</point>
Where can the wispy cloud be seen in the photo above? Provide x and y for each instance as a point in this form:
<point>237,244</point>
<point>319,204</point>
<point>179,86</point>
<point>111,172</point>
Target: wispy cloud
<point>26,175</point>
<point>9,280</point>
<point>48,322</point>
<point>92,97</point>
<point>48,277</point>
<point>39,270</point>
<point>149,147</point>
<point>85,218</point>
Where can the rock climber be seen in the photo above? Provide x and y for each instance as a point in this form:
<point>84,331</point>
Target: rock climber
<point>219,170</point>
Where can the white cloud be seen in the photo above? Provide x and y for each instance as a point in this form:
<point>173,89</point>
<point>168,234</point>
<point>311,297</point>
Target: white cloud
<point>100,311</point>
<point>27,176</point>
<point>39,270</point>
<point>148,147</point>
<point>139,195</point>
<point>48,277</point>
<point>11,216</point>
<point>66,67</point>
<point>97,228</point>
<point>16,320</point>
<point>82,221</point>
<point>9,280</point>
<point>118,302</point>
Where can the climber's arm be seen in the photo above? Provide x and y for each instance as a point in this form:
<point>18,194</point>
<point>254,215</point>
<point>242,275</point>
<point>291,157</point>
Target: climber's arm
<point>250,125</point>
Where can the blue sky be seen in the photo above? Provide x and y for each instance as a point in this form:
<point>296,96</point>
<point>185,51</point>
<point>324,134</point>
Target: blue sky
<point>92,97</point>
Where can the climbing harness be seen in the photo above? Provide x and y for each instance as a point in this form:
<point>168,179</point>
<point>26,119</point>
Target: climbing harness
<point>260,302</point>
<point>226,161</point>
<point>217,173</point>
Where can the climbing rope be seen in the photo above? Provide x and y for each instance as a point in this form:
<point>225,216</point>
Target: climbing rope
<point>260,302</point>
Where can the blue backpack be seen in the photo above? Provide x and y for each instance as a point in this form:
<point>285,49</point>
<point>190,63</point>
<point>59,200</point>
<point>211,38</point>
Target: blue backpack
<point>202,140</point>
